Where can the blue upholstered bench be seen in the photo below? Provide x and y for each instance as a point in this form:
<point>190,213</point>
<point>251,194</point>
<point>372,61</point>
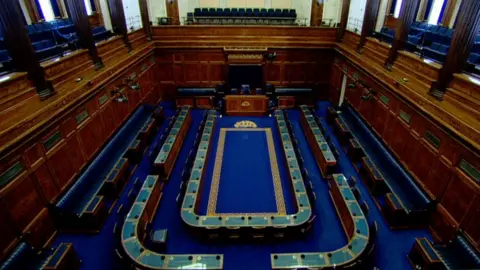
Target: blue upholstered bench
<point>412,199</point>
<point>196,91</point>
<point>108,171</point>
<point>459,254</point>
<point>26,257</point>
<point>293,91</point>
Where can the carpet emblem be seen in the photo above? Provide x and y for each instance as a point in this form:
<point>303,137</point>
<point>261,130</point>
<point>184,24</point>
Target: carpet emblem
<point>245,124</point>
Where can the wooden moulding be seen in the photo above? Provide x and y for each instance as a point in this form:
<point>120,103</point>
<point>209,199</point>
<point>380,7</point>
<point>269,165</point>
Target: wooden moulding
<point>61,69</point>
<point>108,47</point>
<point>253,36</point>
<point>14,89</point>
<point>422,69</point>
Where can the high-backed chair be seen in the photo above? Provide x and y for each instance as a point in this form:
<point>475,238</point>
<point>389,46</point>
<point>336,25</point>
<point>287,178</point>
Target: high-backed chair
<point>271,12</point>
<point>263,12</point>
<point>197,12</point>
<point>241,12</point>
<point>227,12</point>
<point>249,12</point>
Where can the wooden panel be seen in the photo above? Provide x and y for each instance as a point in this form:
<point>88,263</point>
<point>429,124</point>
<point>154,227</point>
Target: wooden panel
<point>438,178</point>
<point>47,183</point>
<point>40,231</point>
<point>216,72</point>
<point>22,200</point>
<point>459,196</point>
<point>246,105</point>
<point>443,226</point>
<point>61,165</point>
<point>107,114</point>
<point>9,237</point>
<point>471,224</point>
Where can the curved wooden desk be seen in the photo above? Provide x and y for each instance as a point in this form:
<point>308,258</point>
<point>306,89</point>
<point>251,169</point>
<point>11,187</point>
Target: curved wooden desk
<point>191,199</point>
<point>354,223</point>
<point>133,233</point>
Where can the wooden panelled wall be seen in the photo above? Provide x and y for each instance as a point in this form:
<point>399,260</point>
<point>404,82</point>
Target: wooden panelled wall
<point>51,161</point>
<point>434,157</point>
<point>209,67</point>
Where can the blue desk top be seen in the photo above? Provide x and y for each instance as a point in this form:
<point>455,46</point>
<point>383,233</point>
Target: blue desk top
<point>172,137</point>
<point>149,259</point>
<point>342,256</point>
<point>326,151</point>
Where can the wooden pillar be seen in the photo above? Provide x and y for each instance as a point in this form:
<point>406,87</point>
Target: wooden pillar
<point>405,20</point>
<point>19,47</point>
<point>145,19</point>
<point>422,10</point>
<point>317,13</point>
<point>172,11</point>
<point>448,14</point>
<point>467,27</point>
<point>369,21</point>
<point>119,23</point>
<point>78,14</point>
<point>343,20</point>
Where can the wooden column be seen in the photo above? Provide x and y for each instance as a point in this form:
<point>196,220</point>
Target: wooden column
<point>78,14</point>
<point>20,48</point>
<point>422,10</point>
<point>343,20</point>
<point>448,14</point>
<point>369,21</point>
<point>172,11</point>
<point>467,27</point>
<point>119,23</point>
<point>317,13</point>
<point>145,18</point>
<point>405,20</point>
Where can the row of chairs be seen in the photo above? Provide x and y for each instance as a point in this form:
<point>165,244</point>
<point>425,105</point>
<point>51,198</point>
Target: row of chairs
<point>245,12</point>
<point>242,16</point>
<point>431,41</point>
<point>50,40</point>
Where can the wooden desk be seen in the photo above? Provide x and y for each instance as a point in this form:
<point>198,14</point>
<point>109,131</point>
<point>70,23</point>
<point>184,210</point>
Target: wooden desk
<point>246,105</point>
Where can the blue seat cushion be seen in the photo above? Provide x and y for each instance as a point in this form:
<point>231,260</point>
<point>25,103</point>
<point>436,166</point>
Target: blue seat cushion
<point>196,91</point>
<point>92,179</point>
<point>398,180</point>
<point>293,91</point>
<point>4,56</point>
<point>459,254</point>
<point>24,257</point>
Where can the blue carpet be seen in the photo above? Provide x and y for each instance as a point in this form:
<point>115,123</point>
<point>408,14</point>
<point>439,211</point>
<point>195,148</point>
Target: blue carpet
<point>258,199</point>
<point>246,181</point>
<point>97,251</point>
